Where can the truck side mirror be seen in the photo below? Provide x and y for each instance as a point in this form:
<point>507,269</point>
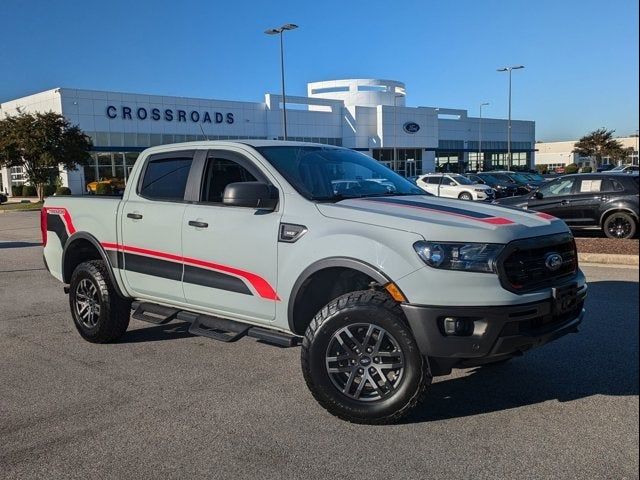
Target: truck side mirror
<point>538,194</point>
<point>251,195</point>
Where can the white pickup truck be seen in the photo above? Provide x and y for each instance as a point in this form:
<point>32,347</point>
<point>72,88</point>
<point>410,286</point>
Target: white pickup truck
<point>385,286</point>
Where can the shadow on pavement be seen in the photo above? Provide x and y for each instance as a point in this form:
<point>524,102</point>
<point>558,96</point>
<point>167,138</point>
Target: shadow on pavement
<point>170,331</point>
<point>602,359</point>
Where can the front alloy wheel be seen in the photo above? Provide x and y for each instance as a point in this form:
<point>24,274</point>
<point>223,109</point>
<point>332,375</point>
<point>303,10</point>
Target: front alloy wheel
<point>365,362</point>
<point>361,361</point>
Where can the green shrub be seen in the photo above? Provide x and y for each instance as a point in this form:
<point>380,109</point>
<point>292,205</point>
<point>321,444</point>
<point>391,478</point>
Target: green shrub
<point>587,169</point>
<point>49,190</point>
<point>63,191</point>
<point>103,189</point>
<point>542,169</point>
<point>571,168</point>
<point>16,190</point>
<point>29,191</point>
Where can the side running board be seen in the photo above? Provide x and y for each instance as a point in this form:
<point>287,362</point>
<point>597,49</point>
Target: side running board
<point>152,313</point>
<point>218,328</point>
<point>221,329</point>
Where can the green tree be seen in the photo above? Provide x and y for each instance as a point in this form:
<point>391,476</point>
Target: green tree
<point>597,144</point>
<point>40,143</point>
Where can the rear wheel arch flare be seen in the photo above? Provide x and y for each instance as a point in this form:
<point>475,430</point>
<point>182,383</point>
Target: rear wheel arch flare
<point>82,247</point>
<point>327,276</point>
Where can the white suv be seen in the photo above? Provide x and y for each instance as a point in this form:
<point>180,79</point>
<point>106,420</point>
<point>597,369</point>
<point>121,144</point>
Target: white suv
<point>453,185</point>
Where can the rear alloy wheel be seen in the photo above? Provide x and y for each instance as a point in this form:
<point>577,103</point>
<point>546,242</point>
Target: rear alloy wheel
<point>465,196</point>
<point>619,225</point>
<point>360,360</point>
<point>99,314</point>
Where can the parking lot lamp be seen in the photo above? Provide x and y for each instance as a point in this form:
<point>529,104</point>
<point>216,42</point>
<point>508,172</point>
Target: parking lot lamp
<point>279,31</point>
<point>480,138</point>
<point>509,69</point>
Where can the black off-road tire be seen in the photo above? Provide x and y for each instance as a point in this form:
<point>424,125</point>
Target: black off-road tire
<point>629,228</point>
<point>373,308</point>
<point>465,196</point>
<point>115,312</point>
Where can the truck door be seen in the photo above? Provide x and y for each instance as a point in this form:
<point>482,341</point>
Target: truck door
<point>151,216</point>
<point>230,253</point>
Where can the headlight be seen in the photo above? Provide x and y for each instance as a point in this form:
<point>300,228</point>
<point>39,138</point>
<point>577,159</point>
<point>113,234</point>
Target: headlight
<point>468,257</point>
<point>480,190</point>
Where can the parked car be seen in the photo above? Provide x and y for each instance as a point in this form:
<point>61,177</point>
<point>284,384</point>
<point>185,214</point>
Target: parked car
<point>605,167</point>
<point>626,169</point>
<point>115,185</point>
<point>454,185</point>
<point>586,200</point>
<point>523,184</point>
<point>383,291</point>
<point>502,188</point>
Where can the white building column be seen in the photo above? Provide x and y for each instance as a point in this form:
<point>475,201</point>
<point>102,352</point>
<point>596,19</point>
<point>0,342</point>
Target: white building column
<point>6,180</point>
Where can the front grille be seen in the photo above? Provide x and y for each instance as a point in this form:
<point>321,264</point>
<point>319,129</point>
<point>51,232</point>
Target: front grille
<point>522,266</point>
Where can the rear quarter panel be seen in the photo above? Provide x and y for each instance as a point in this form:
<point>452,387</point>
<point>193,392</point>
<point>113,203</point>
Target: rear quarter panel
<point>68,215</point>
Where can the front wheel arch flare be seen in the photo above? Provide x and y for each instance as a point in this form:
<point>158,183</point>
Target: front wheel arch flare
<point>345,263</point>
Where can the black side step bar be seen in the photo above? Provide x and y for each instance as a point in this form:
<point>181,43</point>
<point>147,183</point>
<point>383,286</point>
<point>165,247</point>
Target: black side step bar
<point>150,312</point>
<point>218,328</point>
<point>221,329</point>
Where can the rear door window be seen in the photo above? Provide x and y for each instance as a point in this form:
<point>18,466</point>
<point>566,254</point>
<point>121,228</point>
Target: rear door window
<point>165,178</point>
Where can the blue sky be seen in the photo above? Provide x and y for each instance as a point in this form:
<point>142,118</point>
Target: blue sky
<point>581,56</point>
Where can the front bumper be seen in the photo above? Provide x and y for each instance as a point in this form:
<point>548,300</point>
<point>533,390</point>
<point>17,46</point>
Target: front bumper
<point>498,332</point>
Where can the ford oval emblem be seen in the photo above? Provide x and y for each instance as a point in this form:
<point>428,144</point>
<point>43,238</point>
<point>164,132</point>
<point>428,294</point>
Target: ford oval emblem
<point>411,127</point>
<point>553,261</point>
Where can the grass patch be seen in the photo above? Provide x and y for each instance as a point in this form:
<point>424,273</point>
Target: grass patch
<point>21,207</point>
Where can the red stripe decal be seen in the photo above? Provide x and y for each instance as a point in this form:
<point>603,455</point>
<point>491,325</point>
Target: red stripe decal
<point>546,216</point>
<point>66,217</point>
<point>490,220</point>
<point>260,285</point>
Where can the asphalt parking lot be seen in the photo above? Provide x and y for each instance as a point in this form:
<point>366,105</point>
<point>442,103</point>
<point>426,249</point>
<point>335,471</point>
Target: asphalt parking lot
<point>164,404</point>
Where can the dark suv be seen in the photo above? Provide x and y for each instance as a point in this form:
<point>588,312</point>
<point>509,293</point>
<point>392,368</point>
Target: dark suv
<point>503,188</point>
<point>605,200</point>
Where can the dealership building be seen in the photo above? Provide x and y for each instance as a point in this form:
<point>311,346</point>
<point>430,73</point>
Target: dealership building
<point>368,115</point>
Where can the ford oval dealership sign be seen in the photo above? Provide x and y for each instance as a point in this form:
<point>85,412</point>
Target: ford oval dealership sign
<point>411,127</point>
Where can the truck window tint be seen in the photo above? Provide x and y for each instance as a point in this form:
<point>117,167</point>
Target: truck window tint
<point>221,172</point>
<point>166,179</point>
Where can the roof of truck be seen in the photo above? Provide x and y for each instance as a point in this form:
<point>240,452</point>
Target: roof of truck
<point>250,142</point>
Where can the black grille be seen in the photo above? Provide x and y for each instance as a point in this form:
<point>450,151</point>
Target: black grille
<point>523,264</point>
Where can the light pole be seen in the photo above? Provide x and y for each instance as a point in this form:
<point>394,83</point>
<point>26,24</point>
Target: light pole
<point>508,69</point>
<point>480,137</point>
<point>279,31</point>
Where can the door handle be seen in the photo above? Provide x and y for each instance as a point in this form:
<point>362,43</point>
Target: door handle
<point>565,202</point>
<point>135,216</point>
<point>197,224</point>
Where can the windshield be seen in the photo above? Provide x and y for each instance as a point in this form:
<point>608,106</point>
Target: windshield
<point>462,180</point>
<point>331,174</point>
<point>489,178</point>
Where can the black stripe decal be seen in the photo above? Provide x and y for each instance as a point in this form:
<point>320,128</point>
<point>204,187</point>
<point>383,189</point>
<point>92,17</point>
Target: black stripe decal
<point>57,226</point>
<point>153,266</point>
<point>174,271</point>
<point>431,206</point>
<point>209,278</point>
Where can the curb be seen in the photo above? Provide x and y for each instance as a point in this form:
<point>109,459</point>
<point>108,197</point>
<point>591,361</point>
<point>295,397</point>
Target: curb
<point>608,259</point>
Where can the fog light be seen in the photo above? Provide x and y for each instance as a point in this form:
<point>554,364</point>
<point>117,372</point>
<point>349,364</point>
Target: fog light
<point>457,326</point>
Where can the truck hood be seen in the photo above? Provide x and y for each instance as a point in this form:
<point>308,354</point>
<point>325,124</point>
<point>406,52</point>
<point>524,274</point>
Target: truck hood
<point>445,220</point>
